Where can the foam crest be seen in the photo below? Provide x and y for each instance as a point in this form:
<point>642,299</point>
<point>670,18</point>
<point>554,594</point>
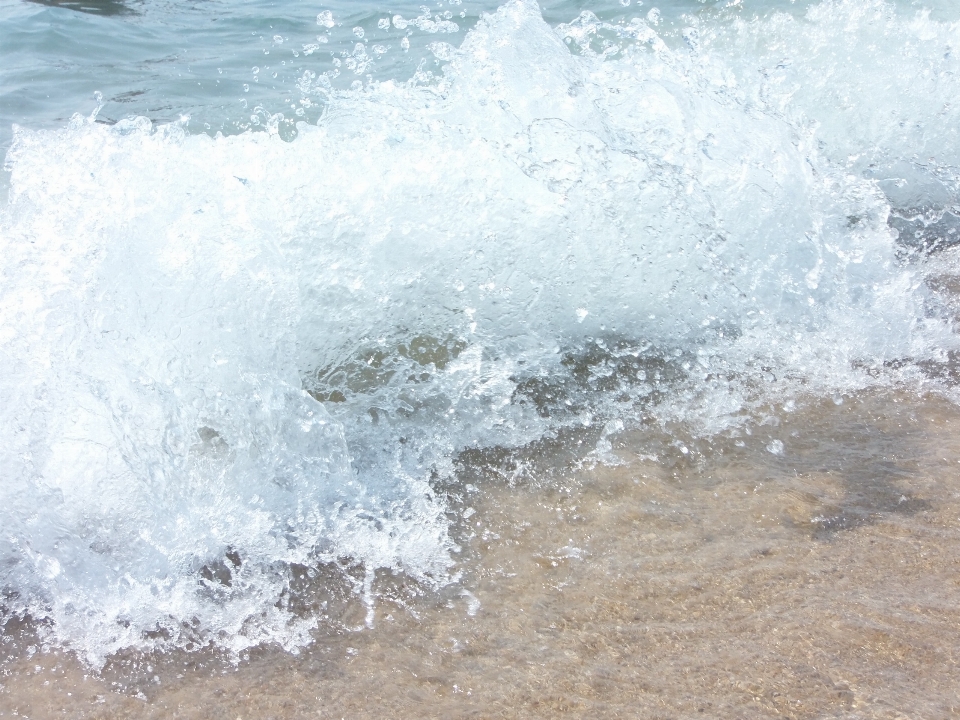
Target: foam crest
<point>887,116</point>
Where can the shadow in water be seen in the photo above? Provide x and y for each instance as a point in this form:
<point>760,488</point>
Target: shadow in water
<point>845,466</point>
<point>836,468</point>
<point>93,7</point>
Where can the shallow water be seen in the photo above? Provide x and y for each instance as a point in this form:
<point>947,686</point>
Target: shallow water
<point>336,335</point>
<point>741,584</point>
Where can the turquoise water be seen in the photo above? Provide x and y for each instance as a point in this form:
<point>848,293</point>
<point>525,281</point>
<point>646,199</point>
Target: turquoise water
<point>163,60</point>
<point>273,273</point>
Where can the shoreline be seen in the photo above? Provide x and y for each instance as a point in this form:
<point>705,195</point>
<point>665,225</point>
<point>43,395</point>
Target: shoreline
<point>819,583</point>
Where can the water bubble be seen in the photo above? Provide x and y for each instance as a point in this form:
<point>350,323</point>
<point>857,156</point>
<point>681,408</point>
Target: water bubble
<point>278,39</point>
<point>405,44</point>
<point>383,23</point>
<point>358,31</point>
<point>325,19</point>
<point>442,51</point>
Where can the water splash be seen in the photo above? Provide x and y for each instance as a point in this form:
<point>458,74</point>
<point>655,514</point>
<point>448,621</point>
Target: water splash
<point>227,357</point>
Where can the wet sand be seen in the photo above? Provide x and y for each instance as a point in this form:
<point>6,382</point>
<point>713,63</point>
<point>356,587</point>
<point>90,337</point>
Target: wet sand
<point>727,581</point>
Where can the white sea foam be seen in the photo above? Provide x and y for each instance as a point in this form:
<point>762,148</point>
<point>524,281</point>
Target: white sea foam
<point>246,353</point>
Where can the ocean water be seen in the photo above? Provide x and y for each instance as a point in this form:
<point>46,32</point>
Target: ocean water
<point>282,284</point>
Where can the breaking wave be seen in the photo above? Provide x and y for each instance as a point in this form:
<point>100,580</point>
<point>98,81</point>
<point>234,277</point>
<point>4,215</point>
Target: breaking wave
<point>227,361</point>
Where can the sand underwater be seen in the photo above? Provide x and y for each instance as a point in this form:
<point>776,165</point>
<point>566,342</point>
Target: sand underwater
<point>735,585</point>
